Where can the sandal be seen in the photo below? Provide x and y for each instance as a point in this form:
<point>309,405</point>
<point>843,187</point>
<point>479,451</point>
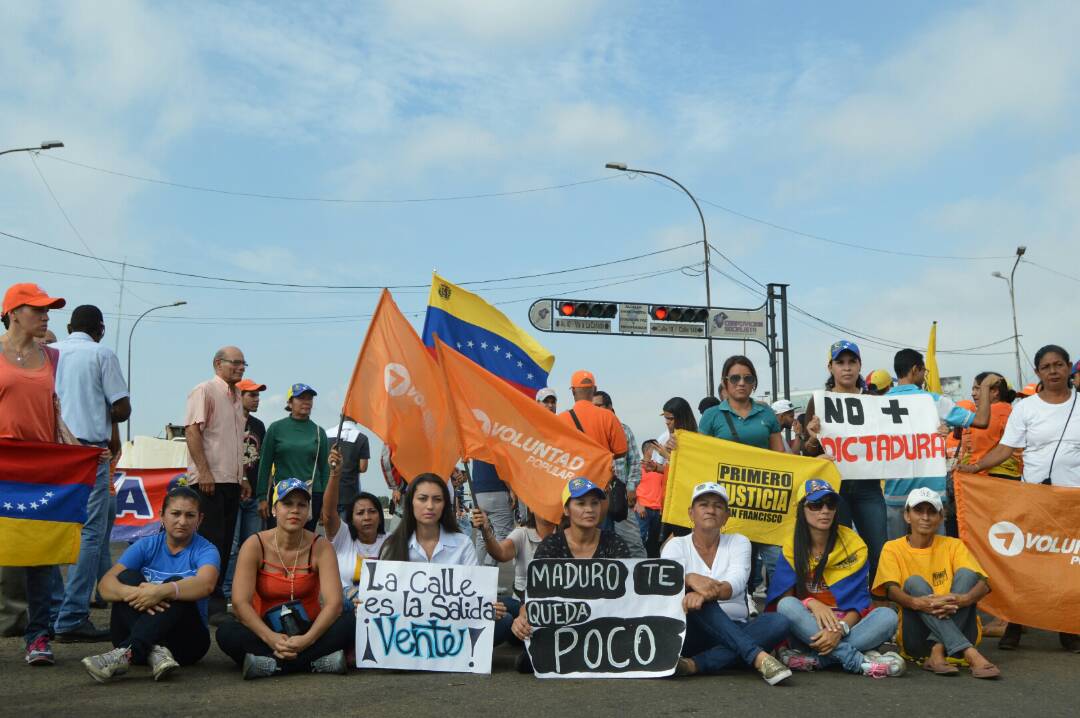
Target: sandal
<point>941,669</point>
<point>987,671</point>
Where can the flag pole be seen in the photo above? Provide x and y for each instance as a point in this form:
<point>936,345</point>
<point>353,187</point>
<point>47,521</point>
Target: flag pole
<point>453,412</point>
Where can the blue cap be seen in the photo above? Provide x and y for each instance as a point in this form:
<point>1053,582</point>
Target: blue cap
<point>287,486</point>
<point>576,488</point>
<point>298,389</point>
<point>816,490</point>
<point>844,346</point>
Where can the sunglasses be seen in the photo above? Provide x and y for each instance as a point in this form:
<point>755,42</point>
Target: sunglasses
<point>742,379</point>
<point>829,502</point>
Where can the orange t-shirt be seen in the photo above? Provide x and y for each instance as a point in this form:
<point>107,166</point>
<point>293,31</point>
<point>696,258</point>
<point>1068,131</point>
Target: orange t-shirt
<point>978,442</point>
<point>599,424</point>
<point>650,490</point>
<point>26,402</point>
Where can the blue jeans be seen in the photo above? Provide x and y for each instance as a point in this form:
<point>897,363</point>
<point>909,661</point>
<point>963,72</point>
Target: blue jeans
<point>82,576</point>
<point>862,506</point>
<point>762,554</point>
<point>649,526</point>
<point>874,629</point>
<point>105,554</point>
<point>248,523</point>
<point>716,642</point>
<point>44,593</point>
<point>922,630</point>
<point>502,626</point>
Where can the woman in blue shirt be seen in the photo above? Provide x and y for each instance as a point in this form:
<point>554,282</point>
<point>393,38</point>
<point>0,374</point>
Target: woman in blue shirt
<point>159,589</point>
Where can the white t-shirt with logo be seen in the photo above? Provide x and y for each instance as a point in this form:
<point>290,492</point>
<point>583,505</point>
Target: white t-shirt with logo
<point>349,550</point>
<point>1036,426</point>
<point>731,564</point>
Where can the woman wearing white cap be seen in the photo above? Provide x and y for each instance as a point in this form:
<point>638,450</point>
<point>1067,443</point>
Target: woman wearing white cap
<point>717,567</point>
<point>938,584</point>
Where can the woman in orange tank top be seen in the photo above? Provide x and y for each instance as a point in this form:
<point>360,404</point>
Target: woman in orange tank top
<point>286,597</point>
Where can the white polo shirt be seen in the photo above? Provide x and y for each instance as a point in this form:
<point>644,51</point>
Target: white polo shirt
<point>453,548</point>
<point>731,565</point>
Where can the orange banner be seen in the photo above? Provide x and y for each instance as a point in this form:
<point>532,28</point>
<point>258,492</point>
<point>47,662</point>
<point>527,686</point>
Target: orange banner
<point>398,392</point>
<point>531,449</point>
<point>1027,537</point>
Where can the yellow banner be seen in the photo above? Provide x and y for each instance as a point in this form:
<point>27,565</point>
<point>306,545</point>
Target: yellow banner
<point>764,487</point>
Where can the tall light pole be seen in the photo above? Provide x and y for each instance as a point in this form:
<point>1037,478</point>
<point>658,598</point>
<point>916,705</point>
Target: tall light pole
<point>620,166</point>
<point>48,145</point>
<point>1012,298</point>
<point>132,334</point>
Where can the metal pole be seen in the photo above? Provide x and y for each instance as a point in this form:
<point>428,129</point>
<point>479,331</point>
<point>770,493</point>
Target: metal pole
<point>784,333</point>
<point>132,334</point>
<point>1016,330</point>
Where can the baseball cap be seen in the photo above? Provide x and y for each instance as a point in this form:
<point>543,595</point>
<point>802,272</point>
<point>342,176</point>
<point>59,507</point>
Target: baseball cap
<point>298,389</point>
<point>545,394</point>
<point>817,489</point>
<point>287,486</point>
<point>576,488</point>
<point>709,487</point>
<point>782,406</point>
<point>1030,390</point>
<point>843,346</point>
<point>582,379</point>
<point>246,384</point>
<point>1076,368</point>
<point>923,495</point>
<point>28,293</point>
<point>880,378</point>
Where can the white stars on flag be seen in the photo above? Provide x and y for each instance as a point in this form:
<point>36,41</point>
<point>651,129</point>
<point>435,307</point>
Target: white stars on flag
<point>44,502</point>
<point>22,507</point>
<point>483,345</point>
<point>470,344</point>
<point>48,494</point>
<point>529,376</point>
<point>497,348</point>
<point>520,365</point>
<point>33,504</point>
<point>508,355</point>
<point>8,506</point>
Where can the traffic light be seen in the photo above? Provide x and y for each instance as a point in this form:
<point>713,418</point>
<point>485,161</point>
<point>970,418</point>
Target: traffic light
<point>588,310</point>
<point>663,313</point>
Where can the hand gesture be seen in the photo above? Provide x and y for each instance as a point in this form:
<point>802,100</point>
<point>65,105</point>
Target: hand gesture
<point>826,619</point>
<point>692,601</point>
<point>521,627</point>
<point>283,650</point>
<point>479,519</point>
<point>813,428</point>
<point>335,459</point>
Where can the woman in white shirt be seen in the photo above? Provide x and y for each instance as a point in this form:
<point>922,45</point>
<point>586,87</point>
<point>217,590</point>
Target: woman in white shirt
<point>717,567</point>
<point>429,531</point>
<point>366,529</point>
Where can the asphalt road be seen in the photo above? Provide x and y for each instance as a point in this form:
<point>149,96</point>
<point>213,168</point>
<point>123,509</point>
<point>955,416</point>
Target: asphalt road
<point>1039,679</point>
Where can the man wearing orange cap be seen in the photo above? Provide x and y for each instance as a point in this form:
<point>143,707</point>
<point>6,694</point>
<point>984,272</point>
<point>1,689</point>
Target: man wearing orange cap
<point>248,521</point>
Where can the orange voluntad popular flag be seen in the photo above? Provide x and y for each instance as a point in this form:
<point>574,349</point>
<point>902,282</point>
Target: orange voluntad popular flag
<point>532,450</point>
<point>398,392</point>
<point>1027,537</point>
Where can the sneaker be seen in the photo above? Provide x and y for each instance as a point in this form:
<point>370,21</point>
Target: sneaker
<point>751,606</point>
<point>333,663</point>
<point>896,663</point>
<point>798,661</point>
<point>258,666</point>
<point>39,652</point>
<point>876,669</point>
<point>773,671</point>
<point>85,632</point>
<point>161,662</point>
<point>106,666</point>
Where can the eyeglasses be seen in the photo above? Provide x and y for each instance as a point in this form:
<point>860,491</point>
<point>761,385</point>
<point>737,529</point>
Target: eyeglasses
<point>234,362</point>
<point>829,502</point>
<point>742,379</point>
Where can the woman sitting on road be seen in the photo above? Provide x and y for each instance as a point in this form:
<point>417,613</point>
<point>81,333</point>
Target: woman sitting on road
<point>366,529</point>
<point>717,567</point>
<point>281,576</point>
<point>821,587</point>
<point>159,589</point>
<point>937,584</point>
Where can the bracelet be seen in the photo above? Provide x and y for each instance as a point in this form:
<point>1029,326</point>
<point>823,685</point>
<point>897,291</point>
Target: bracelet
<point>176,588</point>
<point>806,601</point>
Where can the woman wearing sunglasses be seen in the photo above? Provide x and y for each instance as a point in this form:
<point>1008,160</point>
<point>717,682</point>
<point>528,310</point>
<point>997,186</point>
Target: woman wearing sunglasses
<point>821,587</point>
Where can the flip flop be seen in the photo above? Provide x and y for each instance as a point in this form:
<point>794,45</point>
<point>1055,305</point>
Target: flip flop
<point>987,671</point>
<point>941,669</point>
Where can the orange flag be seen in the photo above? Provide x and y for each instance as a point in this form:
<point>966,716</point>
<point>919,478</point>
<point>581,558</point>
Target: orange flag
<point>398,392</point>
<point>1027,537</point>
<point>531,449</point>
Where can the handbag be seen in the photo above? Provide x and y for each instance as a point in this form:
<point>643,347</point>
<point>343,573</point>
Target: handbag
<point>289,618</point>
<point>618,504</point>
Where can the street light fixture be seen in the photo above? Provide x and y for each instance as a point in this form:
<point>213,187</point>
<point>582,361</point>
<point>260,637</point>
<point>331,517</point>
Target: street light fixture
<point>47,145</point>
<point>132,334</point>
<point>1012,299</point>
<point>621,167</point>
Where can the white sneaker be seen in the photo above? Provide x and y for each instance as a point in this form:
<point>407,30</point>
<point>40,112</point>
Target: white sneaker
<point>105,666</point>
<point>892,659</point>
<point>161,662</point>
<point>751,606</point>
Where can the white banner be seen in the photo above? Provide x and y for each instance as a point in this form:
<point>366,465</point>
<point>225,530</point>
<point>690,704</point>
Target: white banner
<point>605,618</point>
<point>881,437</point>
<point>426,617</point>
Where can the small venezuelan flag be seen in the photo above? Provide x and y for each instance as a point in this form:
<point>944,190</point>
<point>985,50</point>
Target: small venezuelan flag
<point>44,489</point>
<point>482,333</point>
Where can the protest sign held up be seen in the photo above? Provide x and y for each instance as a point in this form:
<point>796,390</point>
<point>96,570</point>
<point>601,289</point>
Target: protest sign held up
<point>881,437</point>
<point>605,618</point>
<point>426,617</point>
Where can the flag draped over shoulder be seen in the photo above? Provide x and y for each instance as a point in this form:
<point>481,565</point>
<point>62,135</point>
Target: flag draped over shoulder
<point>933,376</point>
<point>846,573</point>
<point>44,489</point>
<point>485,335</point>
<point>397,391</point>
<point>532,450</point>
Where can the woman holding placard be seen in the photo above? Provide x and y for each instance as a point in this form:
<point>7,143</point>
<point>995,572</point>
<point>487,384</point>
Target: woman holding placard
<point>821,586</point>
<point>366,528</point>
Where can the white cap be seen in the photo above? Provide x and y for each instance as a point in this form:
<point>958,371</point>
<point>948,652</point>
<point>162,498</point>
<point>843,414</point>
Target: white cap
<point>709,487</point>
<point>924,496</point>
<point>546,393</point>
<point>782,406</point>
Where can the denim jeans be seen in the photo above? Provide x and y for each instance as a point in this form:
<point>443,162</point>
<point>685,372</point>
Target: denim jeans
<point>502,626</point>
<point>649,526</point>
<point>82,576</point>
<point>44,593</point>
<point>874,629</point>
<point>862,507</point>
<point>922,630</point>
<point>761,555</point>
<point>716,642</point>
<point>105,554</point>
<point>248,523</point>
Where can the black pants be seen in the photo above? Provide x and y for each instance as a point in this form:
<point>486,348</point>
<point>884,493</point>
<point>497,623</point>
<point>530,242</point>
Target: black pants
<point>235,640</point>
<point>220,511</point>
<point>179,628</point>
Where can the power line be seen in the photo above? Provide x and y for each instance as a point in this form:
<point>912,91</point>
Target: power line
<point>1048,269</point>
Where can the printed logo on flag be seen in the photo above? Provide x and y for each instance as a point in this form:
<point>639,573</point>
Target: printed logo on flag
<point>485,422</point>
<point>444,292</point>
<point>1006,538</point>
<point>757,494</point>
<point>397,379</point>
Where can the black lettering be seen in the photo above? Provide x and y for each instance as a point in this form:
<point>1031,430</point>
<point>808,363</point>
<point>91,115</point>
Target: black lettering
<point>834,411</point>
<point>608,645</point>
<point>855,415</point>
<point>577,578</point>
<point>658,577</point>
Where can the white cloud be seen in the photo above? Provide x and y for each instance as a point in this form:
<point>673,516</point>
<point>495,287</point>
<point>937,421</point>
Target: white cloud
<point>508,22</point>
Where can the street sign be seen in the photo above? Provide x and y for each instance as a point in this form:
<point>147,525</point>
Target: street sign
<point>738,324</point>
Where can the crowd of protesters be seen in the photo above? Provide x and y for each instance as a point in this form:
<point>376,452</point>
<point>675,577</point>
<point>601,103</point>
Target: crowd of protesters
<point>273,521</point>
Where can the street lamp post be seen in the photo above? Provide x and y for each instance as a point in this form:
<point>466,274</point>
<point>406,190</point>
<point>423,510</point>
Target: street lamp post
<point>621,167</point>
<point>47,145</point>
<point>1010,280</point>
<point>132,334</point>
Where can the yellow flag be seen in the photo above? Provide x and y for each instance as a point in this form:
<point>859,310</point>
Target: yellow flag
<point>763,487</point>
<point>933,376</point>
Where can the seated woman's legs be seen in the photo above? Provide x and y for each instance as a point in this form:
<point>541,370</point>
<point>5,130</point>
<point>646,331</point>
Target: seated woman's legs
<point>236,640</point>
<point>804,627</point>
<point>956,633</point>
<point>715,642</point>
<point>178,628</point>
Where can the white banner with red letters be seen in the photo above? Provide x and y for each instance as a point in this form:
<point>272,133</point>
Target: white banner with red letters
<point>881,437</point>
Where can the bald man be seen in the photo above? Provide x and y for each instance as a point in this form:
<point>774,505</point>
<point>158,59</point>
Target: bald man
<point>215,438</point>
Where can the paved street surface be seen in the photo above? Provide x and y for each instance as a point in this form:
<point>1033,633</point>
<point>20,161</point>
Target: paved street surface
<point>1039,680</point>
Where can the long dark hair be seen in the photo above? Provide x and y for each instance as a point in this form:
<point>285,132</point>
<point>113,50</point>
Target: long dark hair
<point>802,551</point>
<point>1005,394</point>
<point>860,383</point>
<point>365,496</point>
<point>396,547</point>
<point>684,415</point>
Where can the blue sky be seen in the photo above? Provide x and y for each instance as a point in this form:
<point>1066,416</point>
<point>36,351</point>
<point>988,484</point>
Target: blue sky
<point>923,128</point>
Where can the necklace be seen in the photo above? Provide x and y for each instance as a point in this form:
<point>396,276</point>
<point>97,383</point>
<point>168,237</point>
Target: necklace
<point>289,573</point>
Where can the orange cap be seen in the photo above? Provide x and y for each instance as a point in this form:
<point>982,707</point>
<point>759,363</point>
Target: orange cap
<point>1029,390</point>
<point>249,385</point>
<point>28,293</point>
<point>582,379</point>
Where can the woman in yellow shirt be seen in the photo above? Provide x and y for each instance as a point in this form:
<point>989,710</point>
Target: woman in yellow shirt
<point>937,583</point>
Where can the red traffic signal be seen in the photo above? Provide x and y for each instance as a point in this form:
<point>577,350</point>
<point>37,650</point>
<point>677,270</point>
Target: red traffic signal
<point>589,310</point>
<point>662,313</point>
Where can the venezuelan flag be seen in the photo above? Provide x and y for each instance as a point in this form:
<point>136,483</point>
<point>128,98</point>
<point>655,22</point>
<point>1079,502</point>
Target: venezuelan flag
<point>482,333</point>
<point>846,573</point>
<point>44,489</point>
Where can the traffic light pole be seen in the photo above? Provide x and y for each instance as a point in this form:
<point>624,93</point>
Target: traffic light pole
<point>778,350</point>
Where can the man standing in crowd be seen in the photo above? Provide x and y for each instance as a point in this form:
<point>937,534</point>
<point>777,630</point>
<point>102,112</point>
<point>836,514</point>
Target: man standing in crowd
<point>248,522</point>
<point>628,469</point>
<point>355,455</point>
<point>548,398</point>
<point>215,438</point>
<point>785,414</point>
<point>93,394</point>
